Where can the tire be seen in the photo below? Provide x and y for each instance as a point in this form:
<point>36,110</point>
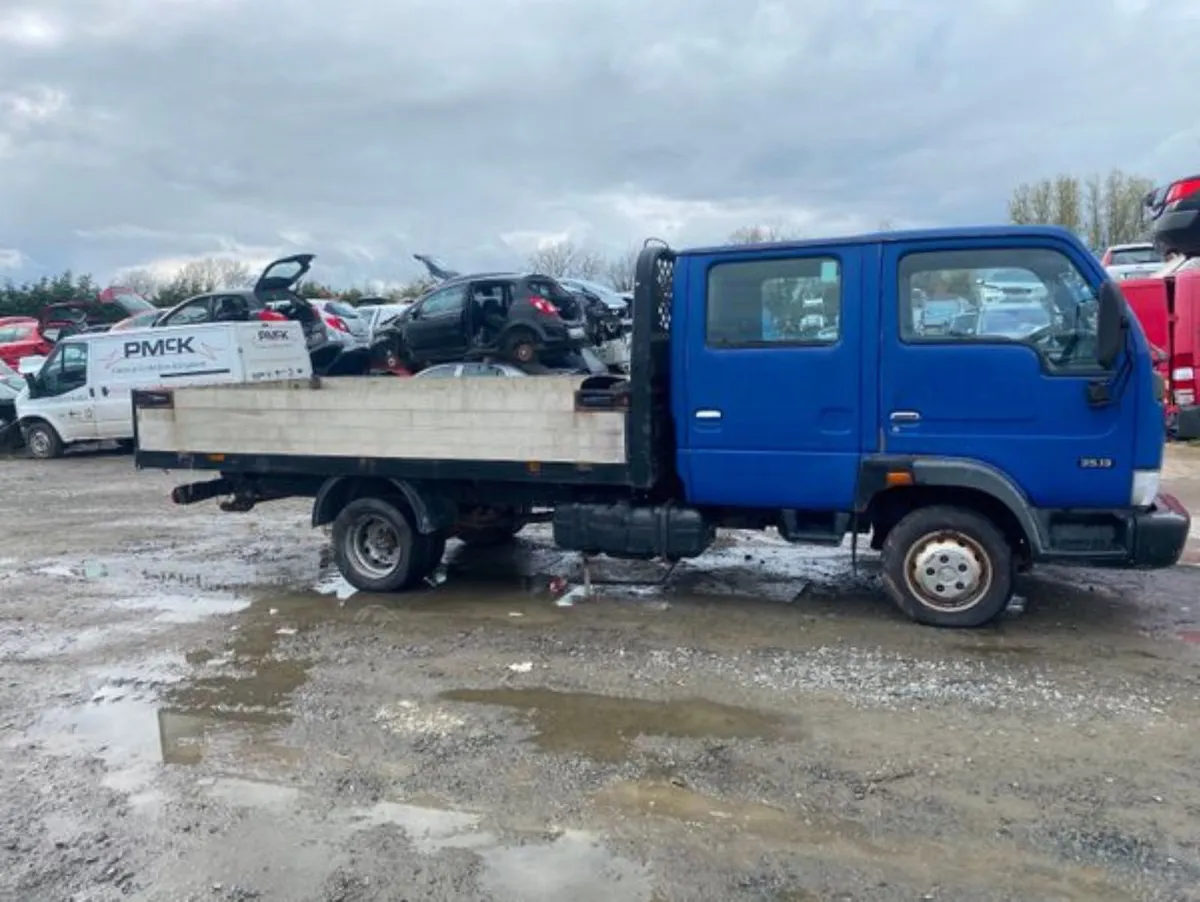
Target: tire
<point>42,441</point>
<point>948,541</point>
<point>376,548</point>
<point>520,346</point>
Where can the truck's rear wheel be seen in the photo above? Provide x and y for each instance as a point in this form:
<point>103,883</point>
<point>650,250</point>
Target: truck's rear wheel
<point>376,547</point>
<point>43,441</point>
<point>948,566</point>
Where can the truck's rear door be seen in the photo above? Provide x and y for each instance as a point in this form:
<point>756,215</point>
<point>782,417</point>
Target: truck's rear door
<point>766,389</point>
<point>1012,395</point>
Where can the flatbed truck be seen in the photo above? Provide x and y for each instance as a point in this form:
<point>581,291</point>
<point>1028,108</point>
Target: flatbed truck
<point>964,459</point>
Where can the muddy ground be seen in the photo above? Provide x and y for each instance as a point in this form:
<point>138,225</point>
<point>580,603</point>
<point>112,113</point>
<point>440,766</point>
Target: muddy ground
<point>193,706</point>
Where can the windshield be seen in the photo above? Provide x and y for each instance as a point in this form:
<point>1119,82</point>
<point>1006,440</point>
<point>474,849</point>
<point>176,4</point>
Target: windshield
<point>1013,320</point>
<point>1134,255</point>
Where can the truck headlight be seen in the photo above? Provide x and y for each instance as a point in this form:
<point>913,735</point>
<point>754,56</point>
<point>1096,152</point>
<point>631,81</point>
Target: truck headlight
<point>1145,487</point>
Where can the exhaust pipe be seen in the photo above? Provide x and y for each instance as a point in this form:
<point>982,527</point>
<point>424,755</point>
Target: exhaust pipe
<point>201,491</point>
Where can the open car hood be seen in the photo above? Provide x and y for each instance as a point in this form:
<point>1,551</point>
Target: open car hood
<point>280,275</point>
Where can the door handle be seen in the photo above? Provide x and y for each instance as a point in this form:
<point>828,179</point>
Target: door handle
<point>708,414</point>
<point>92,392</point>
<point>905,416</point>
<point>104,391</point>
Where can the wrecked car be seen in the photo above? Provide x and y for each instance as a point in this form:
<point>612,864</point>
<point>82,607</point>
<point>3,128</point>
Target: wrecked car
<point>523,318</point>
<point>273,298</point>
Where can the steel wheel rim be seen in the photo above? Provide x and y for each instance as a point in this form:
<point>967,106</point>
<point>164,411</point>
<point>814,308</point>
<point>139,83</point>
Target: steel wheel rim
<point>948,571</point>
<point>39,443</point>
<point>375,546</point>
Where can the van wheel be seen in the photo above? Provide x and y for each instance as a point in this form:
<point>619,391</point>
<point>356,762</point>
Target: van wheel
<point>520,345</point>
<point>376,548</point>
<point>42,441</point>
<point>948,566</point>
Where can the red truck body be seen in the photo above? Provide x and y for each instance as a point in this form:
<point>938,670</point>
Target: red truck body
<point>1167,306</point>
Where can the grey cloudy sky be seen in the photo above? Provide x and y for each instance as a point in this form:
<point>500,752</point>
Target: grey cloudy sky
<point>147,132</point>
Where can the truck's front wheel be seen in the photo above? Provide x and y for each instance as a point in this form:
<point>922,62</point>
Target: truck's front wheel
<point>948,566</point>
<point>42,441</point>
<point>376,547</point>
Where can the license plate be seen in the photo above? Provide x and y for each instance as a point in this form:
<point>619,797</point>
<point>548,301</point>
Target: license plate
<point>575,332</point>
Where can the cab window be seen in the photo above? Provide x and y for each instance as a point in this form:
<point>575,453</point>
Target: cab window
<point>1031,296</point>
<point>755,303</point>
<point>65,370</point>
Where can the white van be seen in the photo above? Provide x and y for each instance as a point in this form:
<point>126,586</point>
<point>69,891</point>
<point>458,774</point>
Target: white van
<point>82,393</point>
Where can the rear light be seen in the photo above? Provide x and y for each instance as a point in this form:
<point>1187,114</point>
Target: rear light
<point>338,323</point>
<point>1185,398</point>
<point>270,316</point>
<point>1182,189</point>
<point>1183,374</point>
<point>543,306</point>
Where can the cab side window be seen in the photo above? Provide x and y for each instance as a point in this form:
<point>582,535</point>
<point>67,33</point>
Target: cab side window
<point>65,371</point>
<point>1032,296</point>
<point>763,303</point>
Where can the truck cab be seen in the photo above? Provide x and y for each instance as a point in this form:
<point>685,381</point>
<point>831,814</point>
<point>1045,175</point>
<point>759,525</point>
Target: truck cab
<point>1053,438</point>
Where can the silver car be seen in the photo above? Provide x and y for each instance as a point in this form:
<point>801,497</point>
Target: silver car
<point>471,368</point>
<point>379,315</point>
<point>344,323</point>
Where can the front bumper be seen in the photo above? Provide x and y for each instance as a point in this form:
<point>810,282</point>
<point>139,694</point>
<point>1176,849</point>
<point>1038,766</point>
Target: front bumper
<point>1159,534</point>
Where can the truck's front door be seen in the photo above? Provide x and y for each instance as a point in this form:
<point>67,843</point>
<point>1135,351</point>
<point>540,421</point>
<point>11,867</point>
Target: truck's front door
<point>64,398</point>
<point>766,390</point>
<point>1012,393</point>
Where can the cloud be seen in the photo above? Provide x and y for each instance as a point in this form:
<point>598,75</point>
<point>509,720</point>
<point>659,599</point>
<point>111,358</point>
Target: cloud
<point>11,259</point>
<point>365,131</point>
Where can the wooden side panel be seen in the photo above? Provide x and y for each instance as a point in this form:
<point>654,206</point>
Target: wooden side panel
<point>496,419</point>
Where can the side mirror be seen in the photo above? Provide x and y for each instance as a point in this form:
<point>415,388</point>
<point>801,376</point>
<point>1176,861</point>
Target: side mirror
<point>1111,324</point>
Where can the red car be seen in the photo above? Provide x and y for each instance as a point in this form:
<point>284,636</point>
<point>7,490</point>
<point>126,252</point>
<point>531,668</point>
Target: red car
<point>20,337</point>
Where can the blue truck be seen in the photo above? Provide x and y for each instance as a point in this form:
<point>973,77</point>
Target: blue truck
<point>963,458</point>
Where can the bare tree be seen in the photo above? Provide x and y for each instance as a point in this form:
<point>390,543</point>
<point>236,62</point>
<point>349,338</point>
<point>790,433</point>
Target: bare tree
<point>565,258</point>
<point>760,234</point>
<point>215,273</point>
<point>142,281</point>
<point>622,270</point>
<point>1102,210</point>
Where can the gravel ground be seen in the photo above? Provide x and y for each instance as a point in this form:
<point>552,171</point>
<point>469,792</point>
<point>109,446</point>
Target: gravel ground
<point>194,706</point>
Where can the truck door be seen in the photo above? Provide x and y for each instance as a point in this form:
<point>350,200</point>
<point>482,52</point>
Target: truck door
<point>1012,393</point>
<point>767,399</point>
<point>64,398</point>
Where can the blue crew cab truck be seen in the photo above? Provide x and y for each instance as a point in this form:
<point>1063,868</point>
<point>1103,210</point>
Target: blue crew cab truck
<point>784,385</point>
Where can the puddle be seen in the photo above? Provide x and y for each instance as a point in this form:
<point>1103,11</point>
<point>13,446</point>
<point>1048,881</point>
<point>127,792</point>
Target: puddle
<point>603,726</point>
<point>678,803</point>
<point>224,708</point>
<point>567,864</point>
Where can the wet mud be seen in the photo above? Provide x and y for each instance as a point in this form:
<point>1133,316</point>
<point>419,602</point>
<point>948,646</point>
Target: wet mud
<point>194,706</point>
